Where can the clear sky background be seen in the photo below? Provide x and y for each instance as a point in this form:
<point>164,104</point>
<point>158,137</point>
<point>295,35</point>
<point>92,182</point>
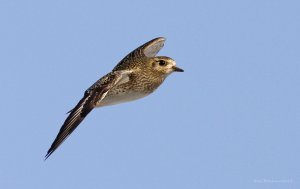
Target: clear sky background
<point>231,120</point>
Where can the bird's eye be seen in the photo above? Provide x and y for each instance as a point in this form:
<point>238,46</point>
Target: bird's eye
<point>162,62</point>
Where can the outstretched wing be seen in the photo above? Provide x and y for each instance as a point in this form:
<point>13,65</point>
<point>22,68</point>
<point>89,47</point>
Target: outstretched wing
<point>75,117</point>
<point>149,49</point>
<point>93,95</point>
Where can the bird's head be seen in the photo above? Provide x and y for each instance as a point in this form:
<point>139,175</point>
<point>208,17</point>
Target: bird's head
<point>165,65</point>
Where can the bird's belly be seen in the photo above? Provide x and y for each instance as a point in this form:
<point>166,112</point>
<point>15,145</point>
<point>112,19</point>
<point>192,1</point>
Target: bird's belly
<point>112,99</point>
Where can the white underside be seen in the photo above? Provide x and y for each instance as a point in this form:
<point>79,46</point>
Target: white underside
<point>121,98</point>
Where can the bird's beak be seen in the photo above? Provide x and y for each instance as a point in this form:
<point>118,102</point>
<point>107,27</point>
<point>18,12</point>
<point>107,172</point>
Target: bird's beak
<point>176,69</point>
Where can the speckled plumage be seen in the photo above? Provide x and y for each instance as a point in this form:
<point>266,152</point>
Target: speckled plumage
<point>135,76</point>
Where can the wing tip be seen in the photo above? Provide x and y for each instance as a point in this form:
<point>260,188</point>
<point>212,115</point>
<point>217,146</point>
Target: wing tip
<point>151,48</point>
<point>158,40</point>
<point>50,151</point>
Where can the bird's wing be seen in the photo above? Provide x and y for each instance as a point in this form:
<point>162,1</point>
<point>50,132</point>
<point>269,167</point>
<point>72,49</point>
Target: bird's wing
<point>91,96</point>
<point>149,49</point>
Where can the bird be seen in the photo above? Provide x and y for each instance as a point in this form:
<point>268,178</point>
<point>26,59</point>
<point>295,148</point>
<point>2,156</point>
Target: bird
<point>137,75</point>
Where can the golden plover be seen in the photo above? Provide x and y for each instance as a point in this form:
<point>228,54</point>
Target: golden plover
<point>135,76</point>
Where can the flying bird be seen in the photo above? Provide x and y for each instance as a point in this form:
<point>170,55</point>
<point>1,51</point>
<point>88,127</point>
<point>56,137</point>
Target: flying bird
<point>137,75</point>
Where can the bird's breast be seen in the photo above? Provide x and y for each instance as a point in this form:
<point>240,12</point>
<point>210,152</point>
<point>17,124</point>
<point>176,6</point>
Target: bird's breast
<point>117,97</point>
<point>138,86</point>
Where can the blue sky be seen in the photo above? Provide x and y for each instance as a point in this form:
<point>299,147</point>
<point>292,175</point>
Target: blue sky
<point>231,120</point>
